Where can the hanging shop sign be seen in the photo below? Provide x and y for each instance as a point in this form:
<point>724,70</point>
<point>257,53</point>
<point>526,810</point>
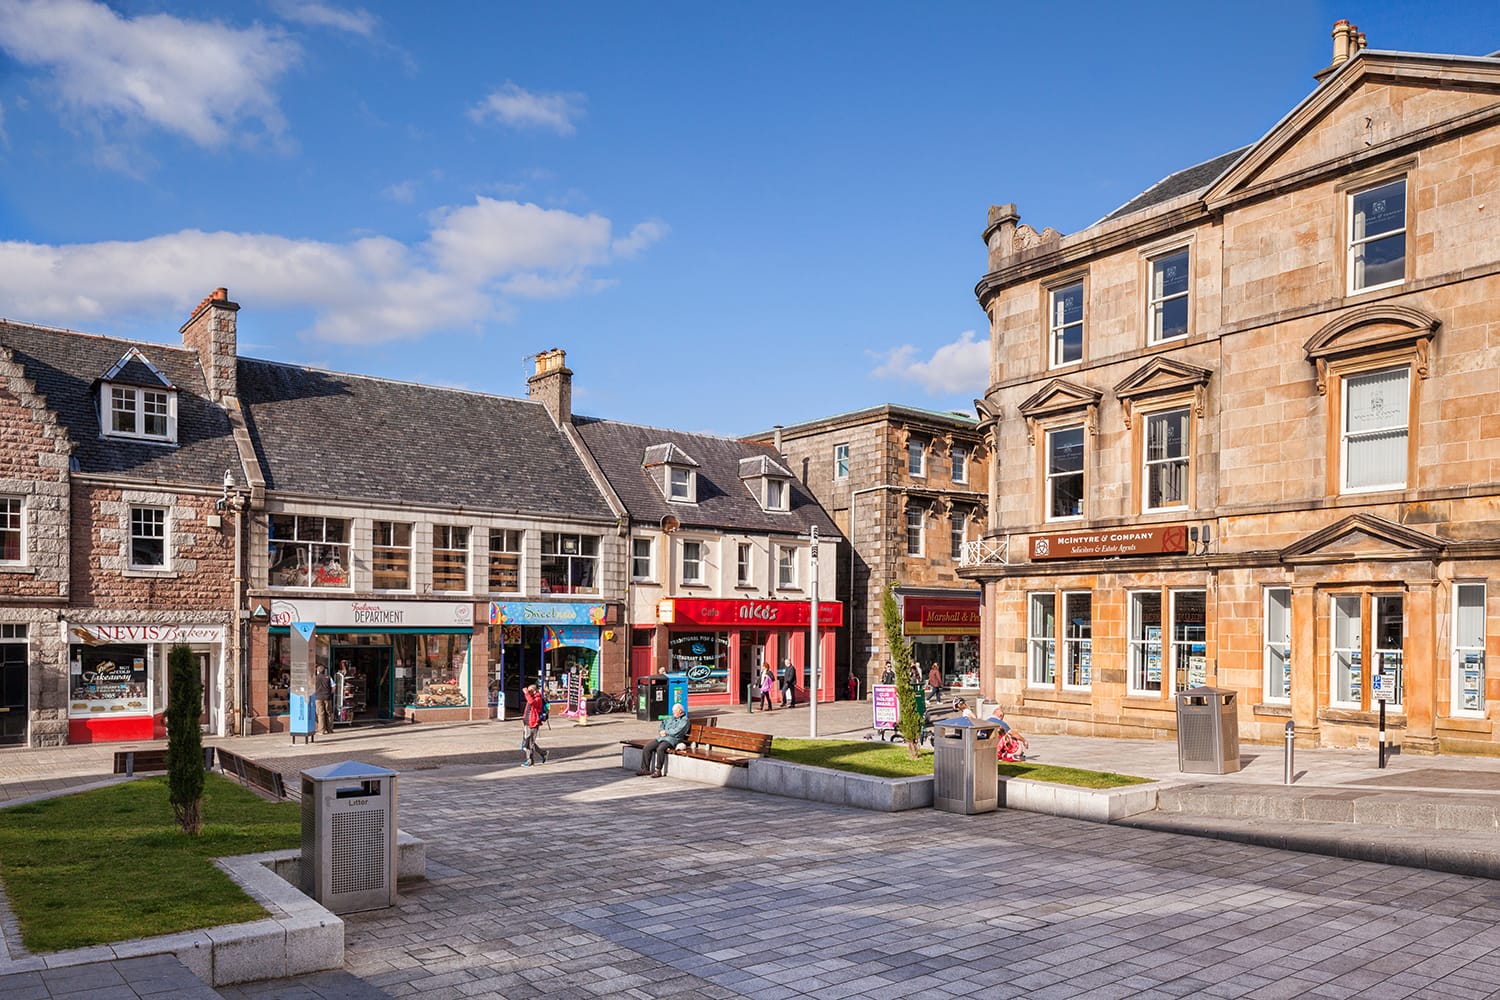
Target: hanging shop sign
<point>545,613</point>
<point>940,616</point>
<point>373,614</point>
<point>1167,539</point>
<point>756,614</point>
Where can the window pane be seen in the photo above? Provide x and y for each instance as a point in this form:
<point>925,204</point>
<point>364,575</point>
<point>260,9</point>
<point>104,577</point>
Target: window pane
<point>1468,625</point>
<point>914,532</point>
<point>10,529</point>
<point>122,410</point>
<point>148,533</point>
<point>841,461</point>
<point>1078,633</point>
<point>1189,639</point>
<point>391,556</point>
<point>450,558</point>
<point>1065,472</point>
<point>1380,210</point>
<point>1145,641</point>
<point>1380,262</point>
<point>1067,305</point>
<point>915,457</point>
<point>1065,450</point>
<point>1043,667</point>
<point>1169,275</point>
<point>1377,401</point>
<point>155,413</point>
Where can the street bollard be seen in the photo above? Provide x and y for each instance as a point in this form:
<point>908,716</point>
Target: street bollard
<point>1289,763</point>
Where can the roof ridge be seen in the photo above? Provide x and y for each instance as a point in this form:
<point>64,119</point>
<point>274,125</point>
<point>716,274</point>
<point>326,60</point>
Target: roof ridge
<point>1236,153</point>
<point>43,328</point>
<point>665,430</point>
<point>392,381</point>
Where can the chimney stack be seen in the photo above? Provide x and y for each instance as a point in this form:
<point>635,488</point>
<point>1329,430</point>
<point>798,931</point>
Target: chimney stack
<point>552,385</point>
<point>211,332</point>
<point>1342,37</point>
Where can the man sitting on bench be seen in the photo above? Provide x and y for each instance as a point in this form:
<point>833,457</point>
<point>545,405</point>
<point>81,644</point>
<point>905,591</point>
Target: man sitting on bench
<point>673,733</point>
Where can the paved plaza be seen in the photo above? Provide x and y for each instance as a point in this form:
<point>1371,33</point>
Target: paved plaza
<point>577,879</point>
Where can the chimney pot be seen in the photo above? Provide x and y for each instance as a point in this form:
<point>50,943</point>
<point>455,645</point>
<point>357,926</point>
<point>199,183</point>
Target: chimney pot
<point>552,385</point>
<point>1342,36</point>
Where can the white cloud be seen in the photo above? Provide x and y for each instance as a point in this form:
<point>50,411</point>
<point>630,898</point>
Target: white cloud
<point>203,80</point>
<point>404,192</point>
<point>474,261</point>
<point>321,15</point>
<point>641,236</point>
<point>520,108</point>
<point>4,138</point>
<point>960,367</point>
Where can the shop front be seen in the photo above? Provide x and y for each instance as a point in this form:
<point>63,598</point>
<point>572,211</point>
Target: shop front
<point>555,644</point>
<point>118,681</point>
<point>389,660</point>
<point>721,645</point>
<point>943,628</point>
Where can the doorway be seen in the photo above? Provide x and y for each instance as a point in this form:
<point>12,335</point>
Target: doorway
<point>14,709</point>
<point>369,693</point>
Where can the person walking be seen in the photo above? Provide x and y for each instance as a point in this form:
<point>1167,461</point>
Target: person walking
<point>767,682</point>
<point>935,682</point>
<point>323,696</point>
<point>533,721</point>
<point>888,675</point>
<point>788,684</point>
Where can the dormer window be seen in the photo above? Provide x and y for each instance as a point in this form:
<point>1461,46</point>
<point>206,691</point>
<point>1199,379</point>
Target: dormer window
<point>775,494</point>
<point>674,472</point>
<point>768,481</point>
<point>137,401</point>
<point>681,484</point>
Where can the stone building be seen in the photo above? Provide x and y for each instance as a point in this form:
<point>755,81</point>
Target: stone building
<point>1250,424</point>
<point>907,488</point>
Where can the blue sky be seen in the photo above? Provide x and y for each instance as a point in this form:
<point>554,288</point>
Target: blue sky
<point>729,215</point>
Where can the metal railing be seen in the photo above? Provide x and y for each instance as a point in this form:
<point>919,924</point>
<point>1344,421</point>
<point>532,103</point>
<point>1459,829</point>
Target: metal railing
<point>985,552</point>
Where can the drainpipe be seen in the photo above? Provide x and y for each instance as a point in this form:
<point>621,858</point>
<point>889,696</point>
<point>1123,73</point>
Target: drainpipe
<point>242,676</point>
<point>852,532</point>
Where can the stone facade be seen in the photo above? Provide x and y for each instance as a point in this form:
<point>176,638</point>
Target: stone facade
<point>1375,554</point>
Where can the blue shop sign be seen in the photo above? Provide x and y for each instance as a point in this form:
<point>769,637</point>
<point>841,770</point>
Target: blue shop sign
<point>545,613</point>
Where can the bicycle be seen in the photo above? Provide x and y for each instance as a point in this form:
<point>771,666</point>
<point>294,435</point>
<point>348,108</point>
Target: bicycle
<point>603,703</point>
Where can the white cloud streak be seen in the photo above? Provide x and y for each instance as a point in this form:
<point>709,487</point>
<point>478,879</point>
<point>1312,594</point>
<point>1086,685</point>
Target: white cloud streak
<point>357,21</point>
<point>205,81</point>
<point>962,366</point>
<point>474,262</point>
<point>519,108</point>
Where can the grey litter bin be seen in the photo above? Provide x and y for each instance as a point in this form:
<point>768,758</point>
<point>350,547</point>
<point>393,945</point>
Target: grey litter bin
<point>1208,733</point>
<point>965,777</point>
<point>349,836</point>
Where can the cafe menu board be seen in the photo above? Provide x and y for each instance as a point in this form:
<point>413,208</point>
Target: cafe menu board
<point>109,681</point>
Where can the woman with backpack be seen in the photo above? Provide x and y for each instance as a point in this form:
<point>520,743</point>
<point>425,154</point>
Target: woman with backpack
<point>536,714</point>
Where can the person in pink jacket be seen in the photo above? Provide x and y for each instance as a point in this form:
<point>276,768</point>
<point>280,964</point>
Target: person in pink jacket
<point>533,721</point>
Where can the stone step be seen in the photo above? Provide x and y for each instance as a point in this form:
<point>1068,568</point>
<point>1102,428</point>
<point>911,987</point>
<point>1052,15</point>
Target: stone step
<point>1402,809</point>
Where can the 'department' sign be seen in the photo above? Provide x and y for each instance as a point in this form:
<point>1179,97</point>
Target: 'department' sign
<point>1157,540</point>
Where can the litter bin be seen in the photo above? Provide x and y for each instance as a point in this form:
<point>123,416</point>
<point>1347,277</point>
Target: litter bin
<point>651,698</point>
<point>965,777</point>
<point>349,836</point>
<point>1208,734</point>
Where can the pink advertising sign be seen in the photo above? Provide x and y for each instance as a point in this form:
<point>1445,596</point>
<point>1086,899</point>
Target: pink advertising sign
<point>887,708</point>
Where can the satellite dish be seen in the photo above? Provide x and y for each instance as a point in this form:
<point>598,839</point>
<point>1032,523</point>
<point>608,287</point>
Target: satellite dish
<point>669,523</point>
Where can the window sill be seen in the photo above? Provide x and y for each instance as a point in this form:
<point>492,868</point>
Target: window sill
<point>17,569</point>
<point>1466,724</point>
<point>1148,700</point>
<point>1396,718</point>
<point>1277,709</point>
<point>150,574</point>
<point>1072,696</point>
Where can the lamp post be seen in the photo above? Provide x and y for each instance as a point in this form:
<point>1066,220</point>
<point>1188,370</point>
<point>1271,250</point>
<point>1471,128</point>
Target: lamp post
<point>814,658</point>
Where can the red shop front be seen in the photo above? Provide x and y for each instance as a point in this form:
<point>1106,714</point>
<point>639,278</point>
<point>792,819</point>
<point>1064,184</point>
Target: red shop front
<point>722,645</point>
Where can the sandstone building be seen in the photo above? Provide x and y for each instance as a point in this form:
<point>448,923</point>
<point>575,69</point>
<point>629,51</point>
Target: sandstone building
<point>1250,428</point>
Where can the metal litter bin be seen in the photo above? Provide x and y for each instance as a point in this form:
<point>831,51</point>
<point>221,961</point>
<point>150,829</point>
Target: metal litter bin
<point>651,698</point>
<point>1208,733</point>
<point>349,836</point>
<point>965,776</point>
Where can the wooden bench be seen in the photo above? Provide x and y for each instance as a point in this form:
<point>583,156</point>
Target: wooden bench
<point>707,741</point>
<point>252,775</point>
<point>127,762</point>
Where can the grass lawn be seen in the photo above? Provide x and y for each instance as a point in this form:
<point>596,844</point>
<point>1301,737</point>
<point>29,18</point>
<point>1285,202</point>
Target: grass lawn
<point>886,760</point>
<point>112,864</point>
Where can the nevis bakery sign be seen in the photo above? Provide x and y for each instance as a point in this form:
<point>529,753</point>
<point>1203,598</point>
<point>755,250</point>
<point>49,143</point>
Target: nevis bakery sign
<point>1166,539</point>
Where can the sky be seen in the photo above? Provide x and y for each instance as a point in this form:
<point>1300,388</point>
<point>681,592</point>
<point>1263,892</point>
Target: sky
<point>729,215</point>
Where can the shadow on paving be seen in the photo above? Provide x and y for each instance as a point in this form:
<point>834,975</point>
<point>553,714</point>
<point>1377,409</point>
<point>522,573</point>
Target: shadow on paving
<point>318,986</point>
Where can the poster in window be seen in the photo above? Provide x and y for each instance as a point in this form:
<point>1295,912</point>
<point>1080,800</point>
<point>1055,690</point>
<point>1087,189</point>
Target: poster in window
<point>108,681</point>
<point>1153,654</point>
<point>1197,671</point>
<point>1085,662</point>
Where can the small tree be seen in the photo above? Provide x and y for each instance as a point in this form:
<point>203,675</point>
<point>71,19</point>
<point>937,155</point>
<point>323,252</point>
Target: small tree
<point>185,740</point>
<point>909,725</point>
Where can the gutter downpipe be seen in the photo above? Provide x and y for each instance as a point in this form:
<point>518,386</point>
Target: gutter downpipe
<point>852,531</point>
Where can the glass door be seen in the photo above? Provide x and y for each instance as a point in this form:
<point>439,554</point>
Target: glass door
<point>1347,658</point>
<point>1389,643</point>
<point>14,708</point>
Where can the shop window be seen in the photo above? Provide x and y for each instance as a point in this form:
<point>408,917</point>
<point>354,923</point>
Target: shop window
<point>1167,302</point>
<point>956,538</point>
<point>692,562</point>
<point>570,564</point>
<point>841,461</point>
<point>960,457</point>
<point>786,568</point>
<point>1277,639</point>
<point>1368,628</point>
<point>1374,429</point>
<point>110,679</point>
<point>440,673</point>
<point>1065,326</point>
<point>1078,639</point>
<point>1377,236</point>
<point>642,559</point>
<point>704,658</point>
<point>1042,668</point>
<point>1167,461</point>
<point>1145,643</point>
<point>1189,639</point>
<point>136,412</point>
<point>450,558</point>
<point>744,566</point>
<point>148,538</point>
<point>505,560</point>
<point>914,532</point>
<point>1065,473</point>
<point>391,556</point>
<point>11,523</point>
<point>916,458</point>
<point>308,552</point>
<point>1468,649</point>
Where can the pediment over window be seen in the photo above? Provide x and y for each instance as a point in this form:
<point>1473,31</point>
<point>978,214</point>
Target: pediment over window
<point>1060,397</point>
<point>1365,537</point>
<point>136,400</point>
<point>674,472</point>
<point>1163,377</point>
<point>134,368</point>
<point>667,454</point>
<point>1373,329</point>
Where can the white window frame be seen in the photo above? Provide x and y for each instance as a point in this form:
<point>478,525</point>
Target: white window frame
<point>307,546</point>
<point>1140,648</point>
<point>1462,650</point>
<point>1072,645</point>
<point>19,527</point>
<point>1041,647</point>
<point>957,534</point>
<point>744,563</point>
<point>916,449</point>
<point>697,578</point>
<point>519,552</point>
<point>1156,303</point>
<point>841,461</point>
<point>960,457</point>
<point>786,568</point>
<point>136,397</point>
<point>1179,670</point>
<point>635,558</point>
<point>1276,690</point>
<point>410,548</point>
<point>1345,435</point>
<point>1334,649</point>
<point>1353,243</point>
<point>1185,459</point>
<point>467,550</point>
<point>1378,654</point>
<point>165,537</point>
<point>1051,477</point>
<point>921,547</point>
<point>784,492</point>
<point>560,557</point>
<point>681,490</point>
<point>1057,329</point>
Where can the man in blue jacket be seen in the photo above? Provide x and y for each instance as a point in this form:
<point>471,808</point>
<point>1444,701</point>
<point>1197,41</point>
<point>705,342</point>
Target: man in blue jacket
<point>673,733</point>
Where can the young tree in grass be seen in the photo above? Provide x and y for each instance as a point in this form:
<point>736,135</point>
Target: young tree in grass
<point>185,740</point>
<point>910,723</point>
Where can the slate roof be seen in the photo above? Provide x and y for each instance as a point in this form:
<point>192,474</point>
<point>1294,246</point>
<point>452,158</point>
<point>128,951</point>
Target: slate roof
<point>346,436</point>
<point>724,502</point>
<point>667,454</point>
<point>134,369</point>
<point>1194,178</point>
<point>761,465</point>
<point>66,367</point>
